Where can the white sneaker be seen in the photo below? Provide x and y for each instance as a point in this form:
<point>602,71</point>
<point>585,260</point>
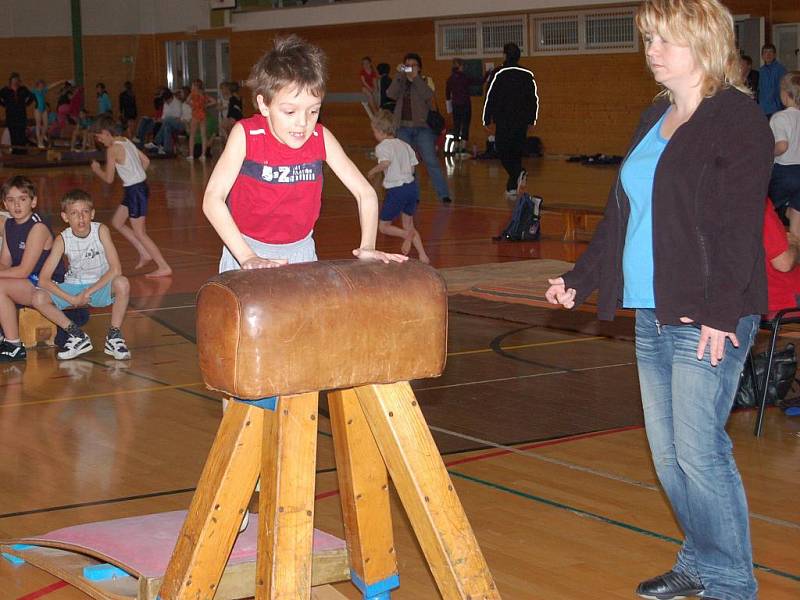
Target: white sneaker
<point>245,521</point>
<point>135,140</point>
<point>75,346</point>
<point>150,146</point>
<point>511,194</point>
<point>190,157</point>
<point>117,348</point>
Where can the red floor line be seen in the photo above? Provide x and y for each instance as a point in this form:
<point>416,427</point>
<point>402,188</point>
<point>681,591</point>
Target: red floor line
<point>583,436</point>
<point>324,495</point>
<point>44,591</point>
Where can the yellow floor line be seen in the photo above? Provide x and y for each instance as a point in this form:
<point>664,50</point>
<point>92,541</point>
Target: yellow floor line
<point>521,346</point>
<point>103,394</point>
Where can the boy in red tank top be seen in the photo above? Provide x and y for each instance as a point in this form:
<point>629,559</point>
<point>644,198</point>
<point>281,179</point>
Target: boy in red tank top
<point>265,193</point>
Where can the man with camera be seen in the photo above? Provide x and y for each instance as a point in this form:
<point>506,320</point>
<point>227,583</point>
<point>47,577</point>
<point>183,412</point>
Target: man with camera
<point>415,99</point>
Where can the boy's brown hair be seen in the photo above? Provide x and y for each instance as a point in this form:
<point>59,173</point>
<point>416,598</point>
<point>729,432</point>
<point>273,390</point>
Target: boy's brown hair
<point>105,122</point>
<point>21,183</point>
<point>292,62</point>
<point>73,196</point>
<point>383,121</point>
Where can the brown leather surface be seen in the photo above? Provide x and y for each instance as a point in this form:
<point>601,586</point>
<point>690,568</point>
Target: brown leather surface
<point>319,326</point>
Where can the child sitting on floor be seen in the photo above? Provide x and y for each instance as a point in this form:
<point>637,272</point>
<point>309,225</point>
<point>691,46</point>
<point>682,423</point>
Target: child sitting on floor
<point>27,242</point>
<point>93,278</point>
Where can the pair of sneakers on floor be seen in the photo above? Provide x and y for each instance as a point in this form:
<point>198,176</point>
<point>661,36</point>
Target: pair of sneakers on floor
<point>78,342</point>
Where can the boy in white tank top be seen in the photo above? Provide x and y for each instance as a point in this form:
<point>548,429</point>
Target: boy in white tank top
<point>129,162</point>
<point>93,278</point>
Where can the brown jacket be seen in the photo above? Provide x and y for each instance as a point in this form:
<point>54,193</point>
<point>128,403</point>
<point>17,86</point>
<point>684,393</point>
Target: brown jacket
<point>708,212</point>
<point>421,98</point>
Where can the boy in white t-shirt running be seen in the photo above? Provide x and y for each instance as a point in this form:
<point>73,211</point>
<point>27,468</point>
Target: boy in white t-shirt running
<point>93,278</point>
<point>784,186</point>
<point>396,160</point>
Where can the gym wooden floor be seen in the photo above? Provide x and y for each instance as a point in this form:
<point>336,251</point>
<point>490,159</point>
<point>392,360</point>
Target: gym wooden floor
<point>564,501</point>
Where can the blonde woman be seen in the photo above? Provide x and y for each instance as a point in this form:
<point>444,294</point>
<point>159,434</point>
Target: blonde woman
<point>681,243</point>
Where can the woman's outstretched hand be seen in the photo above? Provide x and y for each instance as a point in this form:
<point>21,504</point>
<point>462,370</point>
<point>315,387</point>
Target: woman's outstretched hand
<point>558,293</point>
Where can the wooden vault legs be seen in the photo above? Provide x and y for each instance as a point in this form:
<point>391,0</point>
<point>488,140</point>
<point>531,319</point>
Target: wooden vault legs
<point>374,427</point>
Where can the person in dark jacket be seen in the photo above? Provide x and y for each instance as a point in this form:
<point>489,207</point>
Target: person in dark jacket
<point>681,242</point>
<point>15,98</point>
<point>127,108</point>
<point>457,93</point>
<point>512,105</point>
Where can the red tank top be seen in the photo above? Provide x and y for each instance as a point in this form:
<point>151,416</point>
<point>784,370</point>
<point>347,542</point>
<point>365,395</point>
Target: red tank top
<point>277,195</point>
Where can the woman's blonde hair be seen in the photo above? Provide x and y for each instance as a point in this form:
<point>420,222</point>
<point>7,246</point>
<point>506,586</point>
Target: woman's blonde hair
<point>706,27</point>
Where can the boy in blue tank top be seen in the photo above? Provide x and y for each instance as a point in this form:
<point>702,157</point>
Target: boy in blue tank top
<point>27,241</point>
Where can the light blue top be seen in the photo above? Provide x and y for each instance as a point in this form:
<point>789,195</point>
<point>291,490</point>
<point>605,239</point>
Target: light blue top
<point>103,104</point>
<point>637,177</point>
<point>40,94</point>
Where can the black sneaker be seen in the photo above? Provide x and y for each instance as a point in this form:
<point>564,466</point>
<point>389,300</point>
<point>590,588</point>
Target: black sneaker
<point>75,346</point>
<point>12,352</point>
<point>670,586</point>
<point>446,200</point>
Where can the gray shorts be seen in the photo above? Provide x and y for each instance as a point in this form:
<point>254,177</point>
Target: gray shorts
<point>297,252</point>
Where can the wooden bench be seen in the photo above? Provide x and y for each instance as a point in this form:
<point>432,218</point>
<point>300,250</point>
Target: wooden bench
<point>35,329</point>
<point>579,221</point>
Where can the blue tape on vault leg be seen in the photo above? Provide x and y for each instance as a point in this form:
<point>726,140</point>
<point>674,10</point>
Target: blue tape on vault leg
<point>103,572</point>
<point>378,590</point>
<point>266,403</point>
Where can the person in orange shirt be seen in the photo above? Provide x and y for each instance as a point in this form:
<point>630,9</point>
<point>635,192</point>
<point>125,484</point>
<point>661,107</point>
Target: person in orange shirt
<point>199,102</point>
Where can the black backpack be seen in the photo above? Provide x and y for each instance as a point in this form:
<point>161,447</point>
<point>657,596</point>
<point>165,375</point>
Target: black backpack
<point>524,224</point>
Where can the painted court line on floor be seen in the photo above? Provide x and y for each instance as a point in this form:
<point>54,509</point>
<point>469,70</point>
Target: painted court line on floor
<point>524,451</point>
<point>532,345</point>
<point>53,587</point>
<point>530,376</point>
<point>601,518</point>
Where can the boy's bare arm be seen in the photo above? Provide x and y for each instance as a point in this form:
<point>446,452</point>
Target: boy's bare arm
<point>5,255</point>
<point>381,166</point>
<point>34,246</point>
<point>106,173</point>
<point>144,159</point>
<point>215,209</point>
<point>46,274</point>
<point>365,195</point>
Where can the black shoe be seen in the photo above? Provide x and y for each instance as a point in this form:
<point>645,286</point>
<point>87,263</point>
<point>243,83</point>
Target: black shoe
<point>446,200</point>
<point>12,352</point>
<point>669,586</point>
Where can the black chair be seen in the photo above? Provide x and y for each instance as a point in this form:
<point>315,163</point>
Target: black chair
<point>774,324</point>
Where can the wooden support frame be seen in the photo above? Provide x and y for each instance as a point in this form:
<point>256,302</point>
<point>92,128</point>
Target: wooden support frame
<point>217,507</point>
<point>286,501</point>
<point>364,491</point>
<point>375,427</point>
<point>427,494</point>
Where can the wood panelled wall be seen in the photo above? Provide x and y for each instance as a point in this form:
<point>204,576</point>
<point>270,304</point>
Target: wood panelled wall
<point>589,103</point>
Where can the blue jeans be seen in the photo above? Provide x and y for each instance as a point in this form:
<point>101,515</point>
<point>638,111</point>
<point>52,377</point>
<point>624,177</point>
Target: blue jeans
<point>686,405</point>
<point>169,127</point>
<point>146,125</point>
<point>423,140</point>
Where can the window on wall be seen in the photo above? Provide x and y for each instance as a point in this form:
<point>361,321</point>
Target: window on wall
<point>480,38</point>
<point>585,32</point>
<point>208,60</point>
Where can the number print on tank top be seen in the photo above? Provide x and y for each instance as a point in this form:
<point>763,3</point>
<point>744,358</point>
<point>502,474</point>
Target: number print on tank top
<point>291,173</point>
